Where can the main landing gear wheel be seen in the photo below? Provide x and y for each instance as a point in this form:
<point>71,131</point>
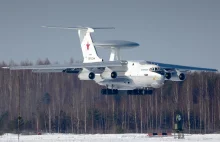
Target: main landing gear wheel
<point>126,92</point>
<point>139,92</point>
<point>109,91</point>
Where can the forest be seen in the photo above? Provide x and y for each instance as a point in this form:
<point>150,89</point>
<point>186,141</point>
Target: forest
<point>61,103</point>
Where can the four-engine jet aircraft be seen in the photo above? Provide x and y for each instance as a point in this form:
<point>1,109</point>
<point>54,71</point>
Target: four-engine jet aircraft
<point>118,76</point>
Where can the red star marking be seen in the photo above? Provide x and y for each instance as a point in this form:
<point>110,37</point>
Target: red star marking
<point>87,45</point>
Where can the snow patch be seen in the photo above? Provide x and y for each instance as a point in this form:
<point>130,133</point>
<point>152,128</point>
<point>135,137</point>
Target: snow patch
<point>105,137</point>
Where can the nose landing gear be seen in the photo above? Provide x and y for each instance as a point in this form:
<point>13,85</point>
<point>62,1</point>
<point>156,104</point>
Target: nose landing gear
<point>126,92</point>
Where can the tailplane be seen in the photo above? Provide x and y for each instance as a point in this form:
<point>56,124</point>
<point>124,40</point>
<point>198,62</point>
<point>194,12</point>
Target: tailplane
<point>87,46</point>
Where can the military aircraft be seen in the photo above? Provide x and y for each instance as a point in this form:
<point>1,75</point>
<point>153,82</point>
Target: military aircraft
<point>118,76</point>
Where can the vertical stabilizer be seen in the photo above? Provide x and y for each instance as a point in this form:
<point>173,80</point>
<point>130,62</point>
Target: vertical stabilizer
<point>87,46</point>
<point>88,49</point>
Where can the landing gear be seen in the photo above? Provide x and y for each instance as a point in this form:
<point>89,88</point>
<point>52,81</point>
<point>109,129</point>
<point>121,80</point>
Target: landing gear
<point>109,91</point>
<point>139,92</point>
<point>126,92</point>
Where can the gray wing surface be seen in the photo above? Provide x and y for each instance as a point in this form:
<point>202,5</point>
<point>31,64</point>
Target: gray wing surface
<point>61,68</point>
<point>180,67</point>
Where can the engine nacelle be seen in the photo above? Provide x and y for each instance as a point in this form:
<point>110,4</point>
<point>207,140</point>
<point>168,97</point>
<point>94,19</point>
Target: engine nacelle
<point>109,75</point>
<point>86,76</point>
<point>178,76</point>
<point>168,75</point>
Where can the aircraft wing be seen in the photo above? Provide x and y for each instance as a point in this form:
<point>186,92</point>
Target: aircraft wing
<point>71,67</point>
<point>180,67</point>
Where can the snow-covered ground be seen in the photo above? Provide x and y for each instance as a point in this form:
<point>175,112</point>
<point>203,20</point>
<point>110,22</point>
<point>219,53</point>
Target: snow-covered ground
<point>104,138</point>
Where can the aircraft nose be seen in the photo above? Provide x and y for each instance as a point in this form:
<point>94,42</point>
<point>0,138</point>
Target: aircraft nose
<point>159,78</point>
<point>158,83</point>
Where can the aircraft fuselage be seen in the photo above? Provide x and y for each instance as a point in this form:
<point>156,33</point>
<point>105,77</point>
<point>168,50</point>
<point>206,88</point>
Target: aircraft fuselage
<point>132,76</point>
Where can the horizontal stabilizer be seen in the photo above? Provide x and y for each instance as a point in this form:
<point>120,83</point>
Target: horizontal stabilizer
<point>77,28</point>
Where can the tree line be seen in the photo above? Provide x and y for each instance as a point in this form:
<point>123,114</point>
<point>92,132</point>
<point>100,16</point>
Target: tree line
<point>60,102</point>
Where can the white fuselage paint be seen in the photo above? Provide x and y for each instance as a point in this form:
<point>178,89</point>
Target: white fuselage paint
<point>134,75</point>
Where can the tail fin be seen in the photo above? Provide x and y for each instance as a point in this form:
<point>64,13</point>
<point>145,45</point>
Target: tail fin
<point>88,49</point>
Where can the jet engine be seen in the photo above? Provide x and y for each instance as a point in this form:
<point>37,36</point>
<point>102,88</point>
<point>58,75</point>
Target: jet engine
<point>178,76</point>
<point>86,76</point>
<point>109,75</point>
<point>168,75</point>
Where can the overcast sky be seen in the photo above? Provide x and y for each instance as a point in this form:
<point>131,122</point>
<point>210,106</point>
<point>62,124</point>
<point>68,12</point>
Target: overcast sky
<point>183,32</point>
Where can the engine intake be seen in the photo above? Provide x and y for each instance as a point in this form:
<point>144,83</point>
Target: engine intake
<point>113,74</point>
<point>91,75</point>
<point>109,75</point>
<point>182,76</point>
<point>168,75</point>
<point>86,76</point>
<point>177,76</point>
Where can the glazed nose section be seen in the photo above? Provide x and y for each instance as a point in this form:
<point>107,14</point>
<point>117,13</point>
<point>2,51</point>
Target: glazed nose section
<point>162,77</point>
<point>159,81</point>
<point>159,78</point>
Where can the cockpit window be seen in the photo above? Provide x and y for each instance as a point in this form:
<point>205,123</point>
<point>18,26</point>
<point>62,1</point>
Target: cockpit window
<point>157,70</point>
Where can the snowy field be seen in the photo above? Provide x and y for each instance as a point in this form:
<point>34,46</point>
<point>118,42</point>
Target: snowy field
<point>105,138</point>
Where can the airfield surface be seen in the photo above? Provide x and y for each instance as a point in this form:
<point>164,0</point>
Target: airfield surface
<point>105,138</point>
